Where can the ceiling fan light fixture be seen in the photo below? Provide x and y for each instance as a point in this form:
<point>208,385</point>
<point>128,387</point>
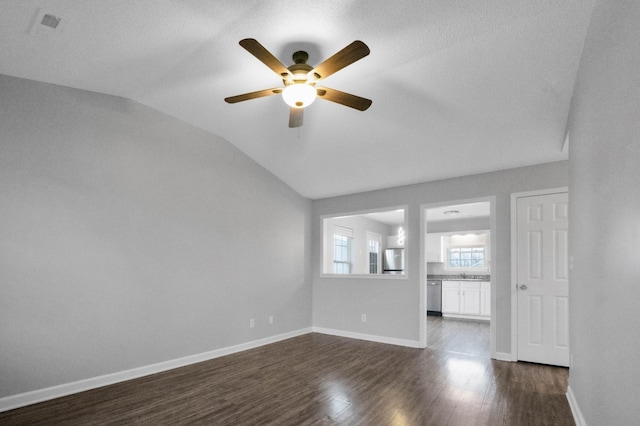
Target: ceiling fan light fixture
<point>299,95</point>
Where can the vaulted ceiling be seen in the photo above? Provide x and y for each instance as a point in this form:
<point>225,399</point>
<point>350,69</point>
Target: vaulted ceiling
<point>458,87</point>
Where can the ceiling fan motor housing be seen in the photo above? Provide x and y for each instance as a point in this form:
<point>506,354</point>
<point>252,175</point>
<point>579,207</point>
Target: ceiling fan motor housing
<point>300,69</point>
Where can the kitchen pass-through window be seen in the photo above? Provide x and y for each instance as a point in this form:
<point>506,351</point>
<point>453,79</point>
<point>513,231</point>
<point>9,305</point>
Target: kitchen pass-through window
<point>357,243</point>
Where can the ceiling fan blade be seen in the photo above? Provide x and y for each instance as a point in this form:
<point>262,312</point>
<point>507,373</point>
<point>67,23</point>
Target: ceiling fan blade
<point>350,54</point>
<point>259,51</point>
<point>253,95</point>
<point>296,117</point>
<point>343,98</point>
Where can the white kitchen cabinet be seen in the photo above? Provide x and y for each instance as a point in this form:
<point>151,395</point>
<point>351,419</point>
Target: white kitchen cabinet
<point>466,299</point>
<point>450,297</point>
<point>435,248</point>
<point>470,298</point>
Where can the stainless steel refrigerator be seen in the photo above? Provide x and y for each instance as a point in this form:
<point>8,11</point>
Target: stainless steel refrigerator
<point>393,261</point>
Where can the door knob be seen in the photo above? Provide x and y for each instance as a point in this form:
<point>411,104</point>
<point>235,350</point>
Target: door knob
<point>523,287</point>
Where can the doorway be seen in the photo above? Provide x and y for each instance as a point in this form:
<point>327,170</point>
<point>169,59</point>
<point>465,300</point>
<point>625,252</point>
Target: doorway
<point>458,250</point>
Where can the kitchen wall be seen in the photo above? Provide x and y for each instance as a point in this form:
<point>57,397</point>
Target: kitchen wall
<point>478,237</point>
<point>129,238</point>
<point>604,284</point>
<point>391,305</point>
<point>458,225</point>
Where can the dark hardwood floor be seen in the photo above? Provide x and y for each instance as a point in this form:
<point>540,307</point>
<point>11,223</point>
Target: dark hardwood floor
<point>317,379</point>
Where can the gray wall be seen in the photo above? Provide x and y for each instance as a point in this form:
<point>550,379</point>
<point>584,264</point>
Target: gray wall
<point>605,218</point>
<point>392,305</point>
<point>128,238</point>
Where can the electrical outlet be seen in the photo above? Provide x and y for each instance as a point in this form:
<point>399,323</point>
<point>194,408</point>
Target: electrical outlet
<point>363,317</point>
<point>252,323</point>
<point>270,319</point>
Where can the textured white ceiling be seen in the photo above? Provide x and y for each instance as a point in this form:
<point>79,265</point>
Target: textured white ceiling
<point>458,87</point>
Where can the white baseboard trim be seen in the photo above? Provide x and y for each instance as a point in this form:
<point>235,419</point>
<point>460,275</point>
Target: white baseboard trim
<point>504,356</point>
<point>575,410</point>
<point>40,395</point>
<point>369,337</point>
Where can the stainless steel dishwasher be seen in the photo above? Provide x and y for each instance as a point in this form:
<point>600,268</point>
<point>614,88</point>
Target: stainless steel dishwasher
<point>434,298</point>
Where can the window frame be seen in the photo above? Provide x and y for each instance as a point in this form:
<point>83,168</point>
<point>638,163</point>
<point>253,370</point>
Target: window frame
<point>484,237</point>
<point>376,238</point>
<point>464,250</point>
<point>346,248</point>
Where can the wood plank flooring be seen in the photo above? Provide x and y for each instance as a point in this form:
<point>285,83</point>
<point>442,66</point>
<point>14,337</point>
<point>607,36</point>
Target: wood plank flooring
<point>317,379</point>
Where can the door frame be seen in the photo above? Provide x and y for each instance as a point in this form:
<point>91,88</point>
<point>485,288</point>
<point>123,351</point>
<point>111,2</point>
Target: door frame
<point>514,260</point>
<point>423,266</point>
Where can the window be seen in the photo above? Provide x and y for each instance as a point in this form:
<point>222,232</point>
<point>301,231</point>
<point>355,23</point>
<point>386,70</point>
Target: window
<point>374,255</point>
<point>465,257</point>
<point>341,254</point>
<point>467,252</point>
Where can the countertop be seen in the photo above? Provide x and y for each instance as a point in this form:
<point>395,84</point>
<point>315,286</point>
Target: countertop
<point>456,277</point>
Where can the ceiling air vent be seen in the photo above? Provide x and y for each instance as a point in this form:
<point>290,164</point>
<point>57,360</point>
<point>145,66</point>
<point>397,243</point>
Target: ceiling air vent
<point>50,21</point>
<point>46,25</point>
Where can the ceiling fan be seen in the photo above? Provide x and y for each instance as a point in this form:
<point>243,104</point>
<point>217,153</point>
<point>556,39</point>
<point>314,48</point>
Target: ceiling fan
<point>300,79</point>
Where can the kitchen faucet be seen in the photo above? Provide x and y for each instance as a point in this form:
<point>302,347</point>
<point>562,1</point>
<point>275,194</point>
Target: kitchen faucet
<point>462,275</point>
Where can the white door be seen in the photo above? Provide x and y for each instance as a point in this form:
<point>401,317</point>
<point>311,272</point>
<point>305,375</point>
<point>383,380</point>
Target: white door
<point>542,279</point>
